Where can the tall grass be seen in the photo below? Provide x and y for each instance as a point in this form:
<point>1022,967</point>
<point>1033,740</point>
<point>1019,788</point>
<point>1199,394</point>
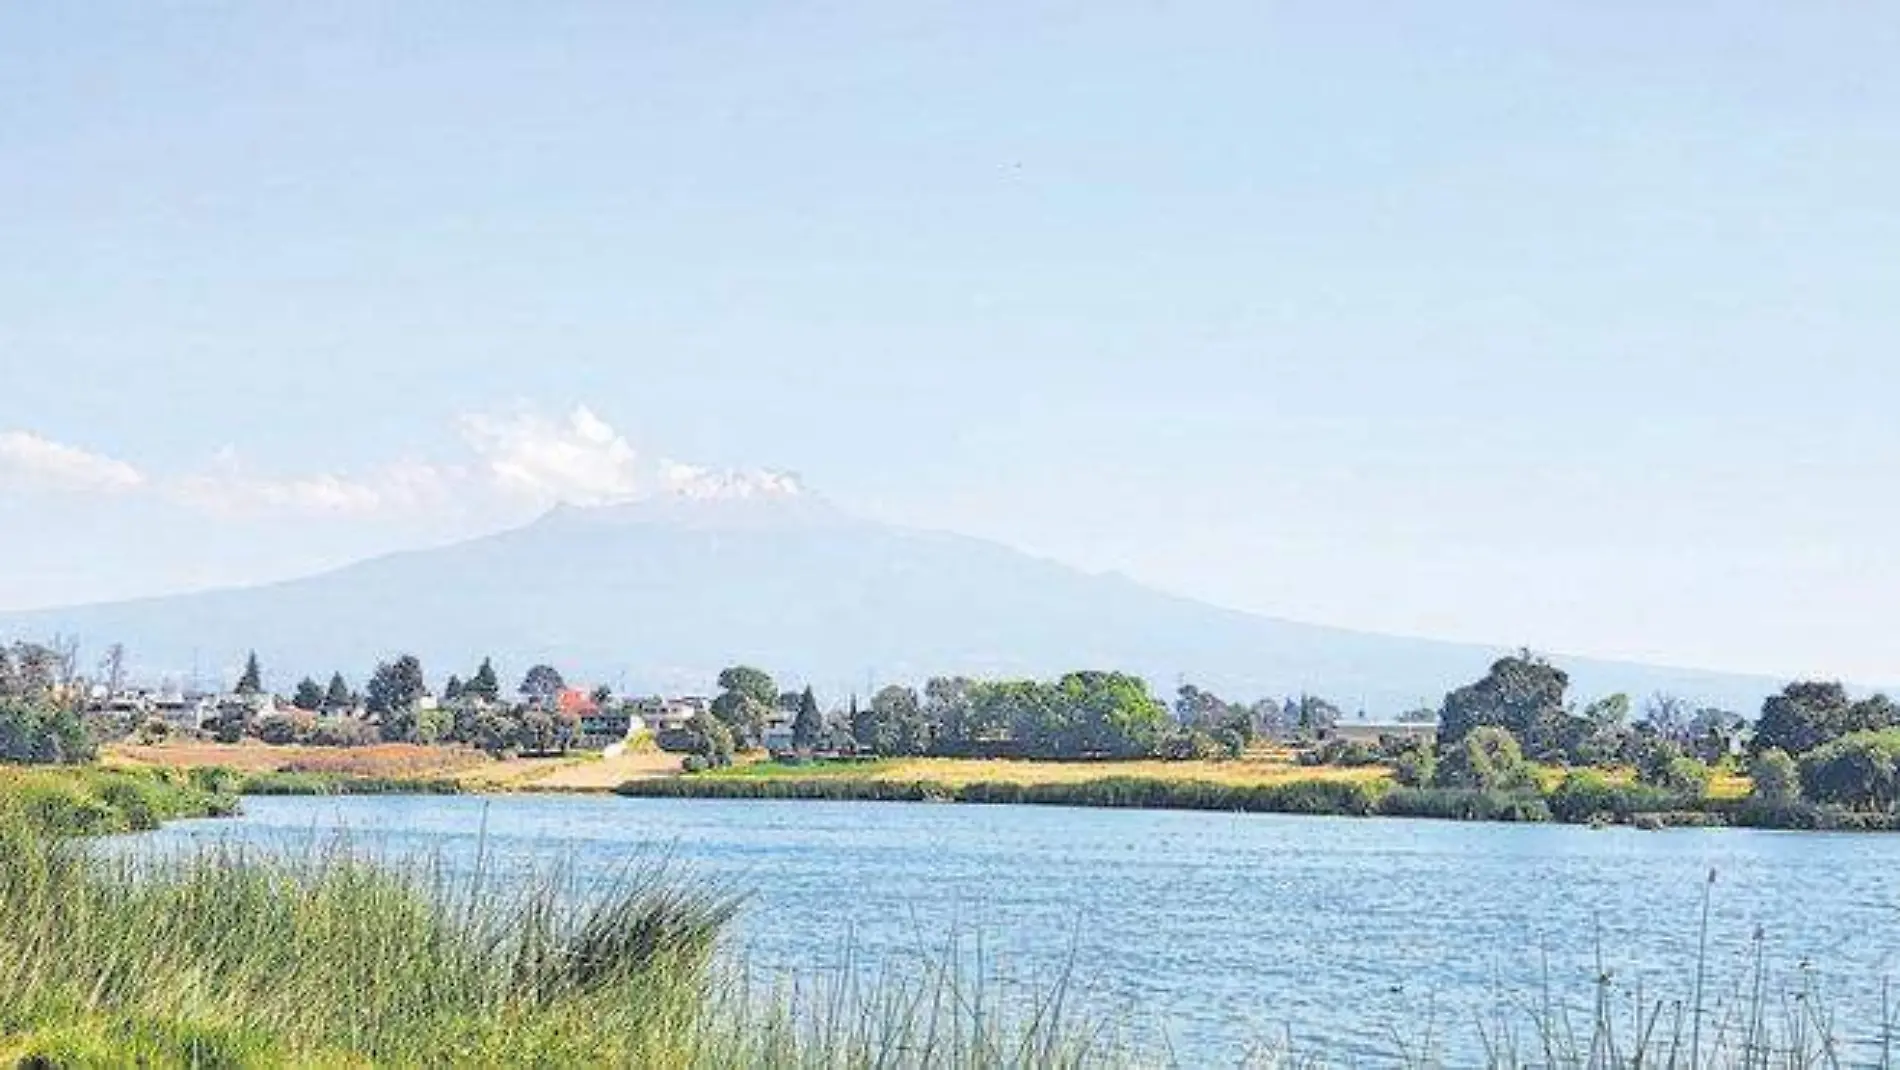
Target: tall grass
<point>88,801</point>
<point>228,957</point>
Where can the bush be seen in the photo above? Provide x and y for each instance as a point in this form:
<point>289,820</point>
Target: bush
<point>1191,744</point>
<point>1414,762</point>
<point>1776,778</point>
<point>280,729</point>
<point>1343,752</point>
<point>1860,771</point>
<point>341,732</point>
<point>153,730</point>
<point>696,763</point>
<point>1463,804</point>
<point>1586,794</point>
<point>1486,759</point>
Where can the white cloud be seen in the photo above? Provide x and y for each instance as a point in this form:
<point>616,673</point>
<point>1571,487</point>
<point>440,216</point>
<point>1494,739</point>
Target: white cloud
<point>229,488</point>
<point>521,458</point>
<point>31,462</point>
<point>581,460</point>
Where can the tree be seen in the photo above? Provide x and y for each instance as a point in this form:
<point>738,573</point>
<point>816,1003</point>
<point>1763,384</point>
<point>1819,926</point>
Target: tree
<point>1776,779</point>
<point>452,688</point>
<point>1802,717</point>
<point>42,732</point>
<point>394,692</point>
<point>484,685</point>
<point>252,682</point>
<point>1487,758</point>
<point>1663,763</point>
<point>809,725</point>
<point>542,686</point>
<point>1314,716</point>
<point>1601,731</point>
<point>710,739</point>
<point>1522,694</point>
<point>1715,733</point>
<point>1666,717</point>
<point>308,696</point>
<point>603,695</point>
<point>745,702</point>
<point>1861,771</point>
<point>337,696</point>
<point>112,668</point>
<point>1269,718</point>
<point>893,724</point>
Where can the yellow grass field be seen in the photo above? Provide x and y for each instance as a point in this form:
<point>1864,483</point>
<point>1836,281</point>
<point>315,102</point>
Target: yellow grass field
<point>957,772</point>
<point>476,771</point>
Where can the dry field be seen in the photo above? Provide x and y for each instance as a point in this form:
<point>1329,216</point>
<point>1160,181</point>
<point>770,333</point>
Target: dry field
<point>475,770</point>
<point>956,772</point>
<point>250,756</point>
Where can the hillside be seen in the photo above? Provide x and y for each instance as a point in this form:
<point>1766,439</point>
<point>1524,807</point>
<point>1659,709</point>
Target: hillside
<point>660,595</point>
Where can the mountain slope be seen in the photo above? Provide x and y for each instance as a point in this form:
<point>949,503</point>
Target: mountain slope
<point>660,595</point>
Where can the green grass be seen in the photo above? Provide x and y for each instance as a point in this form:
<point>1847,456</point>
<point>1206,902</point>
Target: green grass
<point>284,783</point>
<point>89,801</point>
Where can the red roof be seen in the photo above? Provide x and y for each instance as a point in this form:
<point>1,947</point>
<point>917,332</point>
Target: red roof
<point>577,702</point>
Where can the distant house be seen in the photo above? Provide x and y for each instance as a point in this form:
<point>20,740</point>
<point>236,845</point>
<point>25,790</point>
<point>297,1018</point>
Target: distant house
<point>186,712</point>
<point>597,726</point>
<point>1361,732</point>
<point>664,715</point>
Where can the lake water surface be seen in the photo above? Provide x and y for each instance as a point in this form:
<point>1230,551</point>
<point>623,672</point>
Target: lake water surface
<point>1219,931</point>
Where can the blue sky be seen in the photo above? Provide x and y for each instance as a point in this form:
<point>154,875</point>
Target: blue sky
<point>1571,325</point>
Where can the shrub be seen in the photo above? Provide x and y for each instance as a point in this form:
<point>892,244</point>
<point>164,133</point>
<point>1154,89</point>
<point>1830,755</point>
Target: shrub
<point>153,730</point>
<point>280,729</point>
<point>1776,778</point>
<point>1189,744</point>
<point>1587,794</point>
<point>341,732</point>
<point>1345,752</point>
<point>696,763</point>
<point>1414,762</point>
<point>1463,804</point>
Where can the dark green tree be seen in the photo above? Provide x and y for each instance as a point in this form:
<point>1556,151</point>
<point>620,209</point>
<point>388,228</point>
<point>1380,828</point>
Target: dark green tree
<point>337,696</point>
<point>1802,717</point>
<point>452,688</point>
<point>395,689</point>
<point>309,696</point>
<point>542,686</point>
<point>484,685</point>
<point>1860,771</point>
<point>252,681</point>
<point>809,725</point>
<point>1523,694</point>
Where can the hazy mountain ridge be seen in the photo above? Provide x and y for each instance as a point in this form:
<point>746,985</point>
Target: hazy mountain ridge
<point>659,595</point>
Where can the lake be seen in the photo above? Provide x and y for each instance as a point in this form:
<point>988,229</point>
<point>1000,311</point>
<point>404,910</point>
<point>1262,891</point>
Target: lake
<point>1217,932</point>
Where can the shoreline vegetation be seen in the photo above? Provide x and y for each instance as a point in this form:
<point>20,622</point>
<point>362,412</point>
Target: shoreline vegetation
<point>1583,798</point>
